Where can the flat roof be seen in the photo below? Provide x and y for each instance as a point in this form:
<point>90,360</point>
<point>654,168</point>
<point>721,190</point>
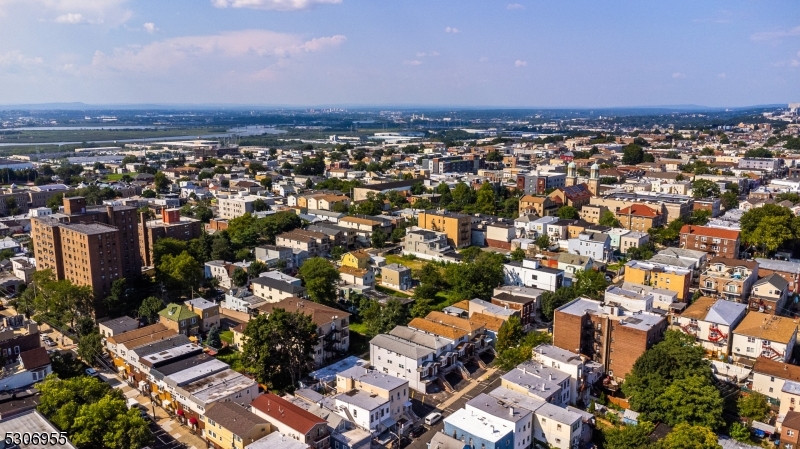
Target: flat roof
<point>373,377</point>
<point>486,428</point>
<point>193,373</point>
<point>499,409</point>
<point>361,399</point>
<point>556,353</point>
<point>31,422</point>
<point>218,386</point>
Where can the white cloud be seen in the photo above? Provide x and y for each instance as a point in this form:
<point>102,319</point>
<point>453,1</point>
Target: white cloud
<point>520,63</point>
<point>678,75</point>
<point>17,58</point>
<point>452,30</point>
<point>150,27</point>
<point>512,6</point>
<point>247,46</point>
<point>775,35</point>
<point>275,5</point>
<point>429,54</point>
<point>722,75</point>
<point>414,62</point>
<point>71,18</point>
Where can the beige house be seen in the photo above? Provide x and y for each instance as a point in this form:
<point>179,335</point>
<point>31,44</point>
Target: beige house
<point>592,212</point>
<point>357,276</point>
<point>229,425</point>
<point>769,377</point>
<point>710,321</point>
<point>396,276</point>
<point>764,335</point>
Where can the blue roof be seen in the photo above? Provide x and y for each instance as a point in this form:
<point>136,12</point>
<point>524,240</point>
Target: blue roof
<point>725,312</point>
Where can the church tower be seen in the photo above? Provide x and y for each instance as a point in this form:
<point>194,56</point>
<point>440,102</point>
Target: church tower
<point>594,179</point>
<point>572,174</point>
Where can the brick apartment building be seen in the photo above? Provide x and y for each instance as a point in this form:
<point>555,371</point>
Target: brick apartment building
<point>640,217</point>
<point>715,241</point>
<point>92,247</point>
<point>606,334</point>
<point>171,225</point>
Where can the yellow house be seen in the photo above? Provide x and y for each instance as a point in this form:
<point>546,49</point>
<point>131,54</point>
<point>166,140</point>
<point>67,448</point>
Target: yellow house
<point>229,425</point>
<point>668,277</point>
<point>356,259</point>
<point>458,227</point>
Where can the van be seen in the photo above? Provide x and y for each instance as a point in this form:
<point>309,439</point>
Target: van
<point>433,418</point>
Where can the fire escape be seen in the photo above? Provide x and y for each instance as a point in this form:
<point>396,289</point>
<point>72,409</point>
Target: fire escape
<point>768,351</point>
<point>331,342</point>
<point>715,335</point>
<point>691,329</point>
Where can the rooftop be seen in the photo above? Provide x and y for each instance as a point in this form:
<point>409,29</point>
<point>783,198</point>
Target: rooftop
<point>235,418</point>
<point>403,347</point>
<point>361,399</point>
<point>767,327</point>
<point>718,311</point>
<point>217,386</point>
<point>373,377</point>
<point>286,413</point>
<point>491,323</point>
<point>486,428</point>
<point>177,312</point>
<point>320,314</point>
<point>182,374</point>
<point>437,328</point>
<point>499,409</point>
<point>556,353</point>
<point>277,440</point>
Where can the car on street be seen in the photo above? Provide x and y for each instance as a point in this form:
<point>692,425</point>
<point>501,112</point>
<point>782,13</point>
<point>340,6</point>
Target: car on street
<point>417,432</point>
<point>433,418</point>
<point>91,372</point>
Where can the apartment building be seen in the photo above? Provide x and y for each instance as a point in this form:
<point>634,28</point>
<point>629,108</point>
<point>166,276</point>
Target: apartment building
<point>640,217</point>
<point>457,227</point>
<point>273,255</point>
<point>530,273</point>
<point>521,299</point>
<point>764,335</point>
<point>314,243</point>
<point>392,390</point>
<point>467,163</point>
<point>235,206</point>
<point>790,271</point>
<point>540,205</point>
<point>274,290</point>
<point>669,277</point>
<point>771,165</point>
<point>606,334</point>
<point>731,279</point>
<point>364,225</point>
<point>671,207</point>
<point>583,374</point>
<point>771,376</point>
<point>591,213</point>
<point>292,421</point>
<point>715,241</point>
<point>207,311</point>
<point>428,245</point>
<point>357,276</point>
<point>577,196</point>
<point>333,326</point>
<point>771,295</point>
<point>536,182</point>
<point>479,431</point>
<point>711,321</point>
<point>91,247</point>
<point>170,225</point>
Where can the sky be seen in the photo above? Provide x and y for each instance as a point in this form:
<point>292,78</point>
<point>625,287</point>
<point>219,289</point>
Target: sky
<point>464,53</point>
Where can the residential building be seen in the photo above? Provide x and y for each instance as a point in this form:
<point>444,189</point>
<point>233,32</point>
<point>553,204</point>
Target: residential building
<point>29,367</point>
<point>315,243</point>
<point>770,377</point>
<point>711,321</point>
<point>539,381</point>
<point>229,425</point>
<point>292,421</point>
<point>629,300</point>
<point>235,206</point>
<point>596,245</point>
<point>116,326</point>
<point>790,427</point>
<point>731,279</point>
<point>277,440</point>
<point>338,235</point>
<point>274,290</point>
<point>789,398</point>
<point>771,165</point>
<point>479,431</point>
<point>364,225</point>
<point>428,245</point>
<point>659,275</point>
<point>396,276</point>
<point>633,239</point>
<point>394,391</point>
<point>530,273</point>
<point>764,335</point>
<point>519,419</point>
<point>333,326</point>
<point>592,213</point>
<point>583,374</point>
<point>273,255</point>
<point>467,163</point>
<point>356,259</point>
<point>715,241</point>
<point>577,196</point>
<point>640,217</point>
<point>181,319</point>
<point>357,276</point>
<point>31,422</point>
<point>572,263</point>
<point>662,298</point>
<point>783,268</point>
<point>404,359</point>
<point>606,334</point>
<point>671,207</point>
<point>697,259</point>
<point>170,225</point>
<point>537,183</point>
<point>771,295</point>
<point>90,247</point>
<point>457,227</point>
<point>521,299</point>
<point>208,312</point>
<point>223,271</point>
<point>540,205</point>
<point>242,300</point>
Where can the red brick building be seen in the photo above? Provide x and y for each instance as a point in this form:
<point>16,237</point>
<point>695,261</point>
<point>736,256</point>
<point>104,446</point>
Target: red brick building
<point>715,241</point>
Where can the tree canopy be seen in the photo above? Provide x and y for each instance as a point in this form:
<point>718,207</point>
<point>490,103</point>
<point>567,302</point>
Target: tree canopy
<point>320,278</point>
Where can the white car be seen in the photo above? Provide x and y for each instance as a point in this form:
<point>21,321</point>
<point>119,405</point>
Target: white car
<point>433,418</point>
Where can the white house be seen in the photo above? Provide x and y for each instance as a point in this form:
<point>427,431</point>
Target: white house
<point>711,321</point>
<point>583,373</point>
<point>596,245</point>
<point>368,411</point>
<point>242,300</point>
<point>404,359</point>
<point>529,273</point>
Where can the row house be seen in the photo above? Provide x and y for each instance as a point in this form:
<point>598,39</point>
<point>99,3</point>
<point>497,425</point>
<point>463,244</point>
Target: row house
<point>583,373</point>
<point>392,390</point>
<point>521,299</point>
<point>764,335</point>
<point>731,279</point>
<point>365,225</point>
<point>292,421</point>
<point>711,321</point>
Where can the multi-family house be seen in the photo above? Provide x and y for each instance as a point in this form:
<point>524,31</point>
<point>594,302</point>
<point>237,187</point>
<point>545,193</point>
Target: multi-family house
<point>640,217</point>
<point>596,245</point>
<point>292,421</point>
<point>396,276</point>
<point>530,273</point>
<point>715,241</point>
<point>428,245</point>
<point>242,300</point>
<point>731,279</point>
<point>207,311</point>
<point>790,431</point>
<point>711,321</point>
<point>479,431</point>
<point>314,243</point>
<point>391,389</point>
<point>180,319</point>
<point>662,298</point>
<point>540,205</point>
<point>273,290</point>
<point>365,225</point>
<point>357,276</point>
<point>583,373</point>
<point>356,259</point>
<point>539,381</point>
<point>771,295</point>
<point>697,259</point>
<point>783,268</point>
<point>522,299</point>
<point>273,255</point>
<point>764,335</point>
<point>770,377</point>
<point>228,425</point>
<point>670,277</point>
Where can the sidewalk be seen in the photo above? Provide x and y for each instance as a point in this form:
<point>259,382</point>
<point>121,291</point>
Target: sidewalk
<point>473,383</point>
<point>170,426</point>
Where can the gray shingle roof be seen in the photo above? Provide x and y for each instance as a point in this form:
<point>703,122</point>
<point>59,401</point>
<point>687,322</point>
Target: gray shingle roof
<point>400,346</point>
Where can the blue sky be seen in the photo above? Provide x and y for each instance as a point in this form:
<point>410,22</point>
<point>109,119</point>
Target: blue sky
<point>518,53</point>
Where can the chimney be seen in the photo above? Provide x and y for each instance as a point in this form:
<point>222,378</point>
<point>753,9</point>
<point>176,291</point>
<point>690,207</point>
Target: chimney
<point>511,411</point>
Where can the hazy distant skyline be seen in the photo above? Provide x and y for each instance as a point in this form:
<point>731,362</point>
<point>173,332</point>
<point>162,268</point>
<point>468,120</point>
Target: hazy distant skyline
<point>515,53</point>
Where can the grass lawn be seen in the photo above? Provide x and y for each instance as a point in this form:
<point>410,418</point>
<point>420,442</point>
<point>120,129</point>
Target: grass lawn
<point>361,328</point>
<point>232,357</point>
<point>442,301</point>
<point>114,176</point>
<point>226,336</point>
<point>415,264</point>
<point>389,291</point>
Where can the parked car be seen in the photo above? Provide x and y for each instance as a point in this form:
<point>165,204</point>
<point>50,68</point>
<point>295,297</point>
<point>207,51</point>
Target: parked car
<point>433,418</point>
<point>91,372</point>
<point>417,432</point>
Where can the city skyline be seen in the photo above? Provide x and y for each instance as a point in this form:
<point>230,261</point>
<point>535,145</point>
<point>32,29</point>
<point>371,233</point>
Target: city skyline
<point>524,54</point>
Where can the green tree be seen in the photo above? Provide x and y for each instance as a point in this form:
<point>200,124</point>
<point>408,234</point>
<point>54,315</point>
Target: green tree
<point>475,278</point>
<point>338,251</point>
<point>169,245</point>
<point>55,201</point>
<point>543,242</point>
<point>608,219</point>
<point>629,437</point>
<point>591,283</point>
<point>567,213</point>
<point>753,406</point>
<point>214,339</point>
<point>692,400</point>
<point>463,196</point>
<point>179,273</point>
<point>378,239</point>
<point>740,432</point>
<point>259,205</point>
<point>398,234</point>
<point>90,347</point>
<point>513,356</point>
<point>320,279</point>
<point>518,255</point>
<point>759,153</point>
<point>256,267</point>
<point>381,318</point>
<point>150,308</point>
<point>110,424</point>
<point>730,200</point>
<point>421,307</point>
<point>510,334</point>
<point>278,347</point>
<point>239,277</point>
<point>700,217</point>
<point>221,248</point>
<point>161,182</point>
<point>446,195</point>
<point>147,193</point>
<point>686,436</point>
<point>704,188</point>
<point>632,154</point>
<point>486,200</point>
